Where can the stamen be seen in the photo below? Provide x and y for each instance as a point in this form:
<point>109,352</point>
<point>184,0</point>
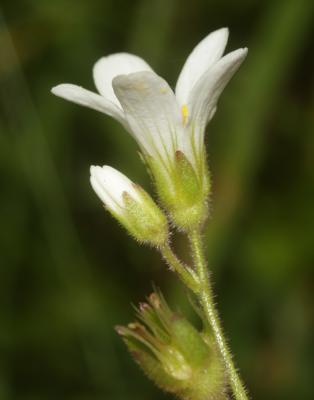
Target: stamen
<point>185,114</point>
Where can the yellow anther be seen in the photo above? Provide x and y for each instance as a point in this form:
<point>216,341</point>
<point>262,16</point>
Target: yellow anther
<point>185,113</point>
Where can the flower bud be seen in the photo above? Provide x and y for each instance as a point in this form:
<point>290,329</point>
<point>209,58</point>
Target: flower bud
<point>183,190</point>
<point>172,353</point>
<point>130,205</point>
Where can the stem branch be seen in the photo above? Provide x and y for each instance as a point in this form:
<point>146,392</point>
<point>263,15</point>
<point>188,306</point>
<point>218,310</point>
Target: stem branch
<point>185,273</point>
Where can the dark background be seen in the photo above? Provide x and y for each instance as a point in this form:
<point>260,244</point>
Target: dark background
<point>69,273</point>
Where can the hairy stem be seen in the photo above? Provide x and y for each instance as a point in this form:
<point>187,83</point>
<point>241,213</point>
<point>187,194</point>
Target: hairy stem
<point>185,273</point>
<point>206,299</point>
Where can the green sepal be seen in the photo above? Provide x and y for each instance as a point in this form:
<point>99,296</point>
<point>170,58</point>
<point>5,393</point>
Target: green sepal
<point>144,220</point>
<point>190,342</point>
<point>188,181</point>
<point>172,353</point>
<point>182,189</point>
<point>153,369</point>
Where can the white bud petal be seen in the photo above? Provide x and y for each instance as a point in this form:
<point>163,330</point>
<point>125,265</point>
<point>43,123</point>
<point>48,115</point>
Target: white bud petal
<point>110,184</point>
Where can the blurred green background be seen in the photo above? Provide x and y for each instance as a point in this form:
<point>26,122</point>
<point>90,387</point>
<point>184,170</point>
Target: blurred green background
<point>69,273</point>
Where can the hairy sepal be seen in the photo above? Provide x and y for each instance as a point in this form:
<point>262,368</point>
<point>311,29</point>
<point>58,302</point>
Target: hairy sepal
<point>183,190</point>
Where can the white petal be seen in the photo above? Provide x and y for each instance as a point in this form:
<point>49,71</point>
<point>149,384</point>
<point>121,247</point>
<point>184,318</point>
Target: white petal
<point>104,196</point>
<point>86,98</point>
<point>204,55</point>
<point>152,112</point>
<point>110,184</point>
<point>109,67</point>
<point>204,96</point>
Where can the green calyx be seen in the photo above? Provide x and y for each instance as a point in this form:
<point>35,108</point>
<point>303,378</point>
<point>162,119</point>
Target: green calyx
<point>144,220</point>
<point>173,353</point>
<point>183,190</point>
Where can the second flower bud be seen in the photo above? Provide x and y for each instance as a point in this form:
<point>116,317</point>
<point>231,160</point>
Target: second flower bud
<point>130,205</point>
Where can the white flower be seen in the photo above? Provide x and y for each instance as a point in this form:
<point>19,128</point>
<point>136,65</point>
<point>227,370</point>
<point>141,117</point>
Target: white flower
<point>168,125</point>
<point>160,120</point>
<point>109,185</point>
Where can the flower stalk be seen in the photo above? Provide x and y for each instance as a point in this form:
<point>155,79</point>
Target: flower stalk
<point>206,300</point>
<point>184,272</point>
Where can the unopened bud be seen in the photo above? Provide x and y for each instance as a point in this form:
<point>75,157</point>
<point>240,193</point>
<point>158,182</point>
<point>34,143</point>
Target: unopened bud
<point>130,205</point>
